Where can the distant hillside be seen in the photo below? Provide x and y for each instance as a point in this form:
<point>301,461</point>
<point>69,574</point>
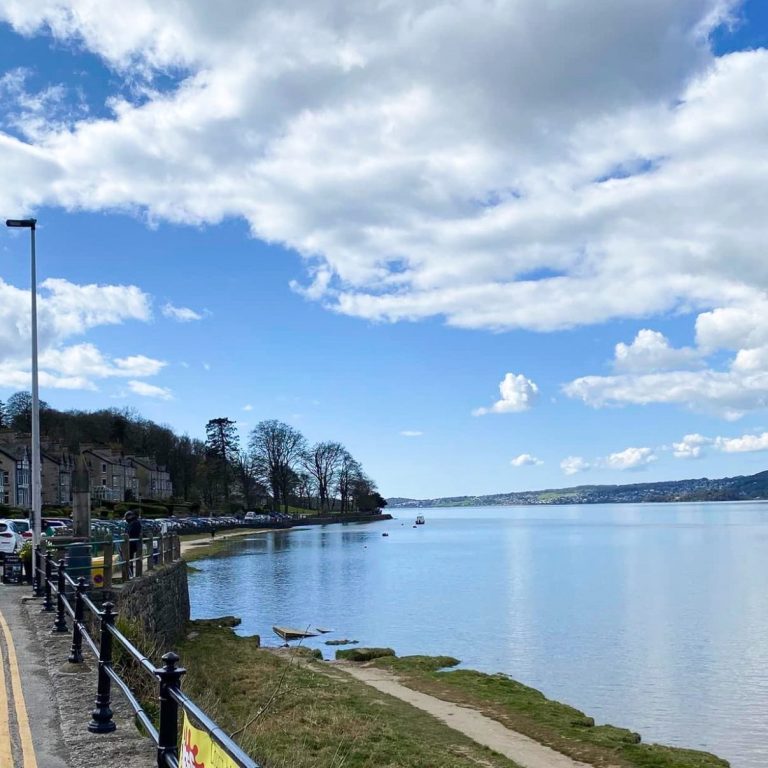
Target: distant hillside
<point>741,488</point>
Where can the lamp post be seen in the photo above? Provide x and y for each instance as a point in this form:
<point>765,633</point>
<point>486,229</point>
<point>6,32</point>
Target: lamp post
<point>36,496</point>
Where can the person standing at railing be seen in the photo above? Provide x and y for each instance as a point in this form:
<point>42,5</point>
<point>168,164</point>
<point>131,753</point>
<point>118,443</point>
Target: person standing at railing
<point>133,531</point>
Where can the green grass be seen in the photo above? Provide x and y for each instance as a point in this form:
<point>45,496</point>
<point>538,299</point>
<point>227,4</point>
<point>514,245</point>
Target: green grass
<point>364,654</point>
<point>528,711</point>
<point>315,716</point>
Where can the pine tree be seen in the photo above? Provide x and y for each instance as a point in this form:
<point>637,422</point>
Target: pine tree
<point>222,444</point>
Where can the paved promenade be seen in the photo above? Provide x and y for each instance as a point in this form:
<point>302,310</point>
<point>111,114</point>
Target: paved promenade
<point>45,702</point>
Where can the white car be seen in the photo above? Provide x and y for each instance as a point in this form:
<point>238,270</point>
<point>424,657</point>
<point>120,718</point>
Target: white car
<point>10,539</point>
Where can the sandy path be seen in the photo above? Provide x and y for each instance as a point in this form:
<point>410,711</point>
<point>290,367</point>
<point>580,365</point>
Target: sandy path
<point>204,541</point>
<point>484,730</point>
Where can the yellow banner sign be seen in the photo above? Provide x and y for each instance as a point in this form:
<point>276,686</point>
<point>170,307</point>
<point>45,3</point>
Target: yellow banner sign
<point>198,750</point>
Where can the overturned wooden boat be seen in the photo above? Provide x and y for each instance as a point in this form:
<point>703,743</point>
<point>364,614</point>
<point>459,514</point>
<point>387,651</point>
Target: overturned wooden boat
<point>293,634</point>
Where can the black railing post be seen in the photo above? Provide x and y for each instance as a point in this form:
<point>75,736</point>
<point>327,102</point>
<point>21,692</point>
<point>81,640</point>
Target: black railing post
<point>37,563</point>
<point>168,732</point>
<point>101,717</point>
<point>48,602</point>
<point>76,652</point>
<point>60,625</point>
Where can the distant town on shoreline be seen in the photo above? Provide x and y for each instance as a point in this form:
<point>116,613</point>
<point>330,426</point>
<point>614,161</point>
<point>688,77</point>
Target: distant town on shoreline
<point>740,488</point>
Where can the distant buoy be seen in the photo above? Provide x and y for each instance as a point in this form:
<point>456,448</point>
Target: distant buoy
<point>385,534</point>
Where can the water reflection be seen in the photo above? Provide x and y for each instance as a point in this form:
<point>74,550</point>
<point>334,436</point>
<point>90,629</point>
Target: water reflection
<point>652,617</point>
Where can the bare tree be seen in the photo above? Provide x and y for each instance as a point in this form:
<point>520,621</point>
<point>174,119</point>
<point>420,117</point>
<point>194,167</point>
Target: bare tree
<point>276,450</point>
<point>323,462</point>
<point>349,471</point>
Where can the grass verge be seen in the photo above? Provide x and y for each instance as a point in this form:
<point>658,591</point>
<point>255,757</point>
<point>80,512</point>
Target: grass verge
<point>528,711</point>
<point>298,713</point>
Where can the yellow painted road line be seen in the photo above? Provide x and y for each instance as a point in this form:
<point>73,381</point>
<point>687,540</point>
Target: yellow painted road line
<point>6,758</point>
<point>22,719</point>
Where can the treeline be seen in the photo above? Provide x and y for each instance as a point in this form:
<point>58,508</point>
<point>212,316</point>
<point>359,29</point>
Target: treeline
<point>278,462</point>
<point>277,467</point>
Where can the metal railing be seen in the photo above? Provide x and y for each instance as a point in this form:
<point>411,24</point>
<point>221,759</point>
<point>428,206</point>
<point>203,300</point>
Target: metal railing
<point>51,580</point>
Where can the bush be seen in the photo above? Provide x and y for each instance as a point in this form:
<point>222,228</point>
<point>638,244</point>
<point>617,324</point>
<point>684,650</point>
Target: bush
<point>364,654</point>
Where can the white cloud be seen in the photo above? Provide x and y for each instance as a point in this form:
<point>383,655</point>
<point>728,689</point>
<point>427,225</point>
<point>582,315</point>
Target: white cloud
<point>67,310</point>
<point>630,458</point>
<point>415,184</point>
<point>181,314</point>
<point>518,394</point>
<point>742,444</point>
<point>411,433</point>
<point>728,393</point>
<point>691,446</point>
<point>573,464</point>
<point>651,351</point>
<point>248,407</point>
<point>207,366</point>
<point>150,390</point>
<point>525,460</point>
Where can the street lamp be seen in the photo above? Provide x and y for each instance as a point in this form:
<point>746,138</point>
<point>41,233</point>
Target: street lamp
<point>36,496</point>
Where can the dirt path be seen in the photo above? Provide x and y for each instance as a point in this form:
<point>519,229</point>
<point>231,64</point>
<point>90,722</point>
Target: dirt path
<point>484,730</point>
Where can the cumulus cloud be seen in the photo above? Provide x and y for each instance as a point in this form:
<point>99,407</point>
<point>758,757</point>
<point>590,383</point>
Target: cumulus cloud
<point>651,351</point>
<point>67,310</point>
<point>150,390</point>
<point>180,314</point>
<point>571,465</point>
<point>650,370</point>
<point>742,444</point>
<point>630,458</point>
<point>691,446</point>
<point>248,407</point>
<point>525,460</point>
<point>415,184</point>
<point>518,394</point>
<point>411,433</point>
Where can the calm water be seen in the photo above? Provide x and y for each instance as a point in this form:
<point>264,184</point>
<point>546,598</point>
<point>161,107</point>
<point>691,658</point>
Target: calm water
<point>654,617</point>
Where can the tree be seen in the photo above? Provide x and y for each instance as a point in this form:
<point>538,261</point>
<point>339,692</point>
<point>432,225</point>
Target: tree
<point>18,411</point>
<point>3,423</point>
<point>323,462</point>
<point>276,451</point>
<point>246,475</point>
<point>365,496</point>
<point>222,445</point>
<point>349,471</point>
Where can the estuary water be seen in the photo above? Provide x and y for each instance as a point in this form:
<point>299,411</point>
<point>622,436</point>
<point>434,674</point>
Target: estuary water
<point>652,617</point>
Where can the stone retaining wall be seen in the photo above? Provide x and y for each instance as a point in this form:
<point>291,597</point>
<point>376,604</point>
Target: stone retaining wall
<point>158,601</point>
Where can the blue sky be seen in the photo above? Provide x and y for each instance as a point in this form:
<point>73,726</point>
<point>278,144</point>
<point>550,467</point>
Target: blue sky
<point>371,242</point>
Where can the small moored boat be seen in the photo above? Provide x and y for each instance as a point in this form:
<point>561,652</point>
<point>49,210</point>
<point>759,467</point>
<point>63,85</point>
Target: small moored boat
<point>293,634</point>
<point>420,520</point>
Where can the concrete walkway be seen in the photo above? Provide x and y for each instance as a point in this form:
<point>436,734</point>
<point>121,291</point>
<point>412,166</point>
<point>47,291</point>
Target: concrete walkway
<point>484,730</point>
<point>46,702</point>
<point>30,730</point>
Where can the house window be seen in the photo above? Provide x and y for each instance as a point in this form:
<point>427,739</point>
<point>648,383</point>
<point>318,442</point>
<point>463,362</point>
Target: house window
<point>103,467</point>
<point>104,481</point>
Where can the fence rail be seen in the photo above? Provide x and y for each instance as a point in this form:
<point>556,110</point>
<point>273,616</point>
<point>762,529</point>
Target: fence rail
<point>51,580</point>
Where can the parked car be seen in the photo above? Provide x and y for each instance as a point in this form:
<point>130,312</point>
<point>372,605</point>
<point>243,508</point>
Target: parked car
<point>23,527</point>
<point>10,538</point>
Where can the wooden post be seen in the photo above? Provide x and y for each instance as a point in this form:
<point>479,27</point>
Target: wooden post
<point>160,550</point>
<point>138,564</point>
<point>150,554</point>
<point>176,547</point>
<point>109,549</point>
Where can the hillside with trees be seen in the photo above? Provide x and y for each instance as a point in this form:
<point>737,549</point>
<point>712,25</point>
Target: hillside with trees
<point>276,468</point>
<point>740,488</point>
